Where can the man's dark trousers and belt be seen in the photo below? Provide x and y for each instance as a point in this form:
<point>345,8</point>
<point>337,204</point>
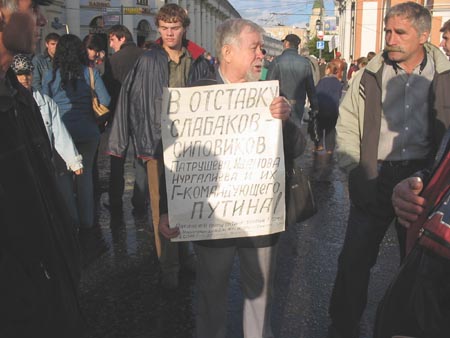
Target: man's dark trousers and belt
<point>367,225</point>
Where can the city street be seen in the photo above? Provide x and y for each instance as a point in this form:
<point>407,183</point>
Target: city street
<point>121,296</point>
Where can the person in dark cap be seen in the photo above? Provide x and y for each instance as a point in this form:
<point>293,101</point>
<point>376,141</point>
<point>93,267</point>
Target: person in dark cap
<point>295,76</point>
<point>59,137</point>
<point>39,264</point>
<point>293,39</point>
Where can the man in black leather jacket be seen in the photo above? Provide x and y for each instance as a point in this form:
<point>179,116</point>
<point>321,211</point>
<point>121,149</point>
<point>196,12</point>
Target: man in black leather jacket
<point>177,62</point>
<point>295,75</point>
<point>39,263</point>
<point>122,61</point>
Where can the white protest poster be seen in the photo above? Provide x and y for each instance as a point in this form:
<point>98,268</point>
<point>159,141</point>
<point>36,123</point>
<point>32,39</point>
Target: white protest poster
<point>224,161</point>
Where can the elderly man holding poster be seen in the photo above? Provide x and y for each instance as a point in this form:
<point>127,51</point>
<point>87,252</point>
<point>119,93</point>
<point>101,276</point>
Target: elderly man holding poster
<point>239,137</point>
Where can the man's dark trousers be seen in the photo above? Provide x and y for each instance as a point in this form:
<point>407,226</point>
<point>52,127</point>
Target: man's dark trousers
<point>117,183</point>
<point>366,229</point>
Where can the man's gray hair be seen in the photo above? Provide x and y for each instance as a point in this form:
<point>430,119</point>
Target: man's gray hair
<point>227,33</point>
<point>419,16</point>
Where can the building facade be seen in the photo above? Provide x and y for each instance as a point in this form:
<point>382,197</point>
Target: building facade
<point>278,33</point>
<point>81,17</point>
<point>361,26</point>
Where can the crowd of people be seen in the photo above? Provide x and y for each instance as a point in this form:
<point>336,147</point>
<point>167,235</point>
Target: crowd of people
<point>384,117</point>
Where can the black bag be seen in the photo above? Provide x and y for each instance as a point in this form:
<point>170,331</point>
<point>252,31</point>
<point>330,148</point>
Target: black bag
<point>300,204</point>
<point>416,302</point>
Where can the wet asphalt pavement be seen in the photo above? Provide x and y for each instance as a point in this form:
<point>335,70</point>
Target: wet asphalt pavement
<point>121,296</point>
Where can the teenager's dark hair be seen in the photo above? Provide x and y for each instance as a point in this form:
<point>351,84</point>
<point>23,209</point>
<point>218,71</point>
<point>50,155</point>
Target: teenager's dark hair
<point>94,42</point>
<point>172,13</point>
<point>120,31</point>
<point>52,37</point>
<point>69,59</point>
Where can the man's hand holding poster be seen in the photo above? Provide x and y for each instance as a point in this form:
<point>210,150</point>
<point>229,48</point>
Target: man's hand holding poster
<point>224,162</point>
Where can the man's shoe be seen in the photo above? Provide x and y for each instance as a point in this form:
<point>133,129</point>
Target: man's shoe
<point>115,209</point>
<point>139,206</point>
<point>139,211</point>
<point>92,245</point>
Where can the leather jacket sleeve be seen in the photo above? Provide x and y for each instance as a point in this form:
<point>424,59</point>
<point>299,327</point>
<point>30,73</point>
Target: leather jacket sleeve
<point>138,109</point>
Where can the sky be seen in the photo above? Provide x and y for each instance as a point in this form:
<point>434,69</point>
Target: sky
<point>273,12</point>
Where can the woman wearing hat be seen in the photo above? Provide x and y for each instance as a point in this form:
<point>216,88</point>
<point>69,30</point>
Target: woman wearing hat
<point>60,138</point>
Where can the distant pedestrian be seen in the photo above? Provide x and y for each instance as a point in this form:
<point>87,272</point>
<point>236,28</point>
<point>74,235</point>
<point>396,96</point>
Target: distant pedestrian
<point>314,64</point>
<point>122,61</point>
<point>344,69</point>
<point>69,85</point>
<point>97,57</point>
<point>294,72</point>
<point>322,67</point>
<point>360,63</point>
<point>353,68</point>
<point>329,91</point>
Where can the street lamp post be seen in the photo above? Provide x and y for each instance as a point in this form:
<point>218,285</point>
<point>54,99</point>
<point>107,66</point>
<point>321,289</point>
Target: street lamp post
<point>58,25</point>
<point>319,29</point>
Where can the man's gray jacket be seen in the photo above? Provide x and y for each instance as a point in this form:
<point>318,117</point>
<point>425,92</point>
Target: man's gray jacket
<point>296,79</point>
<point>358,126</point>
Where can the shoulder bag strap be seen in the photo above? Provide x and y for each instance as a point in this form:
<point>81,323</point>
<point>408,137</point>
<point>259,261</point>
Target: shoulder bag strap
<point>91,79</point>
